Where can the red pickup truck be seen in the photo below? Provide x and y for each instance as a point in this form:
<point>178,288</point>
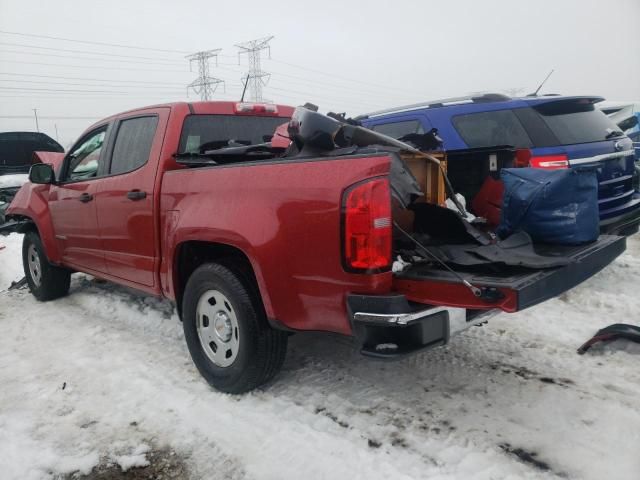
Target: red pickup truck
<point>255,236</point>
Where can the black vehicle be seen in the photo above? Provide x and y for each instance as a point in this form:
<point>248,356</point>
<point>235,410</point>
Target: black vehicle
<point>16,150</point>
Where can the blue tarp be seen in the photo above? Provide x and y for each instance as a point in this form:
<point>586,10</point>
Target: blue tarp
<point>552,206</point>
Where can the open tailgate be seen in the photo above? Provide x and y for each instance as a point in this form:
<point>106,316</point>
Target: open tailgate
<point>518,288</point>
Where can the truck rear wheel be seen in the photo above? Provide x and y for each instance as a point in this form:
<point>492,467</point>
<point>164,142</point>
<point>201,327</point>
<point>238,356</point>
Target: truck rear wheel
<point>226,330</point>
<point>46,281</point>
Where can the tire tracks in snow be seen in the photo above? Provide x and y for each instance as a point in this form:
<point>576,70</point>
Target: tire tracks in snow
<point>478,408</point>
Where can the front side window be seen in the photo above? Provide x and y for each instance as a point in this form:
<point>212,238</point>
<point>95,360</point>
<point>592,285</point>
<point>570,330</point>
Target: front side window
<point>85,158</point>
<point>490,129</point>
<point>133,144</point>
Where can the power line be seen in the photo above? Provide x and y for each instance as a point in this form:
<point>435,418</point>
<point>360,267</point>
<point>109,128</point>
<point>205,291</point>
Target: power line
<point>204,85</point>
<point>49,117</point>
<point>70,50</point>
<point>335,86</point>
<point>89,79</point>
<point>314,97</point>
<point>255,77</point>
<point>88,42</point>
<point>105,67</point>
<point>72,90</point>
<point>88,58</point>
<point>333,75</point>
<point>48,82</point>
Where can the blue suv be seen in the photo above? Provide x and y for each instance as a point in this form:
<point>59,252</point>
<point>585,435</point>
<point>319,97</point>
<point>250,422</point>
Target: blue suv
<point>547,131</point>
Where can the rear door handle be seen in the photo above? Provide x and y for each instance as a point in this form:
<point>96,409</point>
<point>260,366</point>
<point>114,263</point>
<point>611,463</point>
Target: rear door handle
<point>85,197</point>
<point>136,195</point>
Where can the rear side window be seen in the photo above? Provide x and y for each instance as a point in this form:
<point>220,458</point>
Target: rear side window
<point>399,129</point>
<point>133,144</point>
<point>576,122</point>
<point>211,132</point>
<point>488,129</point>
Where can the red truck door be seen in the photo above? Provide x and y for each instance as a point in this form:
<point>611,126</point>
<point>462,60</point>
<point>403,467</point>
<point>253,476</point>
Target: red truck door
<point>125,199</point>
<point>72,203</point>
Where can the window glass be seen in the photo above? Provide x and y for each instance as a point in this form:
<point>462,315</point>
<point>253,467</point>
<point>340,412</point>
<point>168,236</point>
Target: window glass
<point>577,122</point>
<point>210,132</point>
<point>85,158</point>
<point>133,144</point>
<point>489,129</point>
<point>399,129</point>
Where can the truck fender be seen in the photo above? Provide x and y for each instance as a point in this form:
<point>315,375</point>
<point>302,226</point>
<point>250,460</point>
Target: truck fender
<point>31,202</point>
<point>221,243</point>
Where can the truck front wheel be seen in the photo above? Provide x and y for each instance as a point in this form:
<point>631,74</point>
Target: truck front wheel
<point>46,281</point>
<point>227,332</point>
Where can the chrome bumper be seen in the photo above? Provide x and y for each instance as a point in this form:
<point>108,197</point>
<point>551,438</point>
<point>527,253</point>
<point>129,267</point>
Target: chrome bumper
<point>457,318</point>
<point>387,327</point>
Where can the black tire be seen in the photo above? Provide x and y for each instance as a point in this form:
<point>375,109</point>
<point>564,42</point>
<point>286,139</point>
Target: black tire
<point>51,282</point>
<point>261,349</point>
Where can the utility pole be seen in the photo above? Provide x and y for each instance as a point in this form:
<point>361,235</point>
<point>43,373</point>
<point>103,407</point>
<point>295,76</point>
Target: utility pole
<point>204,85</point>
<point>35,114</point>
<point>56,127</point>
<point>256,78</point>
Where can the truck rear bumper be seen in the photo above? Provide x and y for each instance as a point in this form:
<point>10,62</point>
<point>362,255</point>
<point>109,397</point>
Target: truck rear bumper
<point>391,326</point>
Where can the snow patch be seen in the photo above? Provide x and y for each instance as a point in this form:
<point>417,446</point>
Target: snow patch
<point>137,458</point>
<point>10,260</point>
<point>509,400</point>
<point>13,180</point>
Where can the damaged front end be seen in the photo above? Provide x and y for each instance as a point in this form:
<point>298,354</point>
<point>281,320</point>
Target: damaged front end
<point>9,186</point>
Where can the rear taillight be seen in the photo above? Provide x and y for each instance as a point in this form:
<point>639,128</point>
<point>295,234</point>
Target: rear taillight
<point>524,158</point>
<point>550,162</point>
<point>367,226</point>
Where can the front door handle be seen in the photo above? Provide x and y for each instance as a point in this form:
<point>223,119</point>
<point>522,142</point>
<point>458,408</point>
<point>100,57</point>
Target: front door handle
<point>85,197</point>
<point>136,195</point>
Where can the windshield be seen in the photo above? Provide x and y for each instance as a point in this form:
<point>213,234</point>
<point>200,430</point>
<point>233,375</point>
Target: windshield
<point>576,122</point>
<point>210,132</point>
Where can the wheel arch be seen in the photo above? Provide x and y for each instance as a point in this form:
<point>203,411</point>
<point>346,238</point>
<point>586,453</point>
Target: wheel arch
<point>28,224</point>
<point>190,254</point>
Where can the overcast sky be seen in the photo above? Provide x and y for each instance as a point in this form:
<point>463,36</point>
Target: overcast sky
<point>342,55</point>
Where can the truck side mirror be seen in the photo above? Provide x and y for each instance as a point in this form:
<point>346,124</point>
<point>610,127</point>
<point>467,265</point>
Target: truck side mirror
<point>42,173</point>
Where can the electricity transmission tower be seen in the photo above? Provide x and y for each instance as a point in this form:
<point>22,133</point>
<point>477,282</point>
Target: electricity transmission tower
<point>255,78</point>
<point>204,85</point>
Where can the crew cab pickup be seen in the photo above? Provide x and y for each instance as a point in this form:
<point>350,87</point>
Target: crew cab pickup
<point>259,221</point>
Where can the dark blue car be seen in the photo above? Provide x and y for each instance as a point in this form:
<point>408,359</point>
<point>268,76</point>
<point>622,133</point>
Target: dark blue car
<point>549,131</point>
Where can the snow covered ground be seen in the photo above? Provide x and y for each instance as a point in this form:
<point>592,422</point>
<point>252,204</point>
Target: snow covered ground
<point>13,180</point>
<point>103,378</point>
